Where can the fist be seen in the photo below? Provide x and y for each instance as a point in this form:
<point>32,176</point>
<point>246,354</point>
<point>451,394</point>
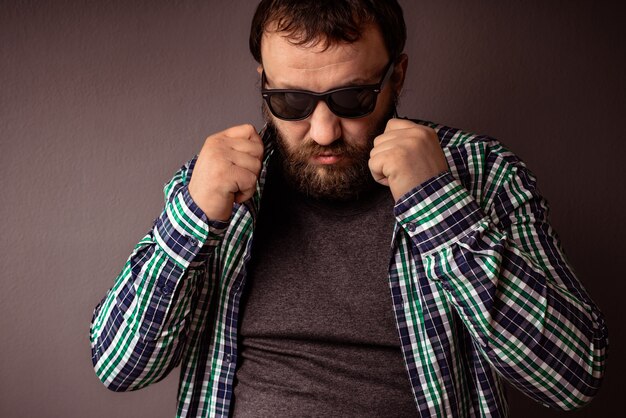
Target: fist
<point>226,171</point>
<point>405,156</point>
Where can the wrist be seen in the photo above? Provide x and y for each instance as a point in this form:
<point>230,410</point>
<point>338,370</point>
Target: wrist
<point>214,209</point>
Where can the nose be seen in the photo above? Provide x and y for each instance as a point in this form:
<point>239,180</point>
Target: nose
<point>325,127</point>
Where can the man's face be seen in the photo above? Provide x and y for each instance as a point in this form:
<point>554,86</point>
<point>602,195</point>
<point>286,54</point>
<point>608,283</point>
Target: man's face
<point>324,155</point>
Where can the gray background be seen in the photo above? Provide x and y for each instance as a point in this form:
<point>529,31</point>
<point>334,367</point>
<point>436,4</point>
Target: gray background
<point>102,101</point>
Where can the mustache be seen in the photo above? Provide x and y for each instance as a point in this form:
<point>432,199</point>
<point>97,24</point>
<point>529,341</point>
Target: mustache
<point>309,148</point>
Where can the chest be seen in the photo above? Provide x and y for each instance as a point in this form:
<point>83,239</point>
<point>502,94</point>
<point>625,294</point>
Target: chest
<point>322,273</point>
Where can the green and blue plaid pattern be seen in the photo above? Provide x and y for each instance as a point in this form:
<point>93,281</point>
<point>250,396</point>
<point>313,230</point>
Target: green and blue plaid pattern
<point>480,287</point>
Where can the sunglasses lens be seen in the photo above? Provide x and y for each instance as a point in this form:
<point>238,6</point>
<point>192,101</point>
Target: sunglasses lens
<point>346,103</point>
<point>292,105</point>
<point>352,103</point>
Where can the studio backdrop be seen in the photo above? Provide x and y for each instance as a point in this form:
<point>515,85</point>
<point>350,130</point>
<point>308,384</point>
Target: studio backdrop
<point>102,101</point>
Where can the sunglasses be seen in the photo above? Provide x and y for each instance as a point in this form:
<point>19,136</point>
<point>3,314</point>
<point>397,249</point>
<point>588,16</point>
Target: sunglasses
<point>345,102</point>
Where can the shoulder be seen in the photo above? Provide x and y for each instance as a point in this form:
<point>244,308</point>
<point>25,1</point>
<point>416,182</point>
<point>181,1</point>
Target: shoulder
<point>483,164</point>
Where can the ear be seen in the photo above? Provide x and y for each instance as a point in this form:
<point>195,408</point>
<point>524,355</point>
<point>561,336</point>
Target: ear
<point>259,69</point>
<point>399,73</point>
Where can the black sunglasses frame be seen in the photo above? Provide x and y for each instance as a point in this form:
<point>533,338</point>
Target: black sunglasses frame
<point>326,96</point>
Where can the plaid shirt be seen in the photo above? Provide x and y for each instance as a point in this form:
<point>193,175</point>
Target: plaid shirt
<point>480,288</point>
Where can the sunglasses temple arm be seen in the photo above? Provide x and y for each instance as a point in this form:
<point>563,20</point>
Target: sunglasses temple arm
<point>395,114</point>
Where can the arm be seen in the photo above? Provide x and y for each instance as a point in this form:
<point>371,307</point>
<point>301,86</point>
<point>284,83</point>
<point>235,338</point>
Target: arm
<point>160,300</point>
<point>503,270</point>
<point>138,332</point>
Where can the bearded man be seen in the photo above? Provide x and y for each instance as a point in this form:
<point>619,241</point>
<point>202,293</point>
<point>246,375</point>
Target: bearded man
<point>343,261</point>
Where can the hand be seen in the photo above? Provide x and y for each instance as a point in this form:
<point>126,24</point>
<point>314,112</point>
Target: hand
<point>405,156</point>
<point>226,171</point>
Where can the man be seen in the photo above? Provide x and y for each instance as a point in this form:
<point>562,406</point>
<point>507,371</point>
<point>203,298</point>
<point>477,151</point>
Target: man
<point>398,267</point>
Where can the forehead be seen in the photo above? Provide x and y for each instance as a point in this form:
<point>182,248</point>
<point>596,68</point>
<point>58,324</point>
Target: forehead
<point>320,67</point>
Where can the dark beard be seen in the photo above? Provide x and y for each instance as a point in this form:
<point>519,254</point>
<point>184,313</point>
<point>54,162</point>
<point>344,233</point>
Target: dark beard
<point>328,182</point>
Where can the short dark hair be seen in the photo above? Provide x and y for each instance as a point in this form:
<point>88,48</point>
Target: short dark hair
<point>309,22</point>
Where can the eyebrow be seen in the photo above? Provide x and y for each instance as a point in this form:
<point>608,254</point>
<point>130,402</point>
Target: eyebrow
<point>360,81</point>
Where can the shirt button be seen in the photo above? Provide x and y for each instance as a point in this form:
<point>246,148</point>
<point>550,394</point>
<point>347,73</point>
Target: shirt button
<point>193,241</point>
<point>229,358</point>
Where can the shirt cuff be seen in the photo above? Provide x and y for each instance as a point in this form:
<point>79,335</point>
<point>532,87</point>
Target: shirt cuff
<point>183,229</point>
<point>439,212</point>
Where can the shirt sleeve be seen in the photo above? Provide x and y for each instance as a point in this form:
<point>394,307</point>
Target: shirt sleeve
<point>501,266</point>
<point>138,331</point>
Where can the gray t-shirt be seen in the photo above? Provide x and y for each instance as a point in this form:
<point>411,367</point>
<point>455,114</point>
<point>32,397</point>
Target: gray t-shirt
<point>317,334</point>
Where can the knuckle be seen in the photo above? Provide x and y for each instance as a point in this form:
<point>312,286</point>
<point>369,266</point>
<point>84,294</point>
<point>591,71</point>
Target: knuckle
<point>246,183</point>
<point>258,150</point>
<point>252,177</point>
<point>247,130</point>
<point>258,166</point>
<point>391,124</point>
<point>212,142</point>
<point>208,141</point>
